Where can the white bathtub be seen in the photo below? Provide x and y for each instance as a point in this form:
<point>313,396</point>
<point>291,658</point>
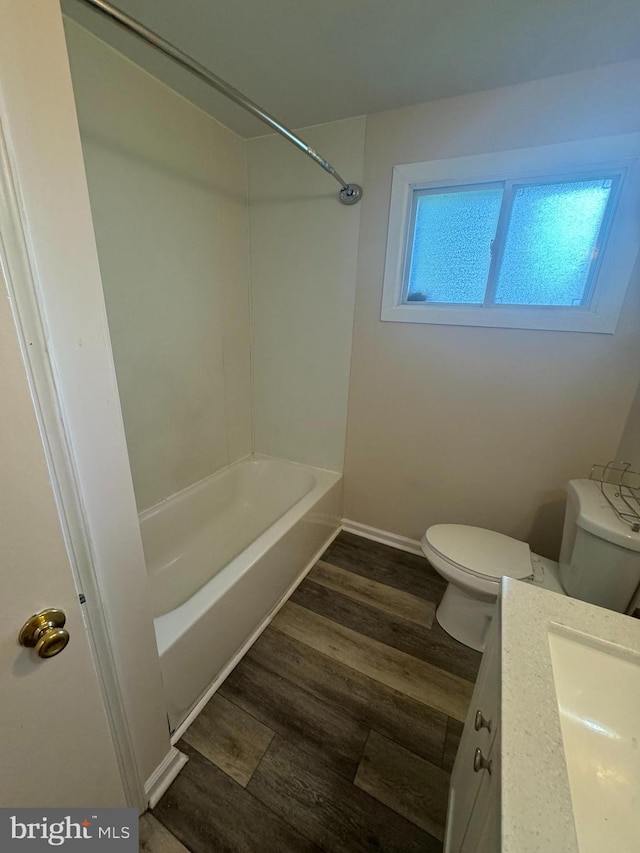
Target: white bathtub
<point>221,555</point>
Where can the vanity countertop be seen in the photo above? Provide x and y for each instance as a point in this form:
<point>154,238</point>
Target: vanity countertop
<point>537,812</point>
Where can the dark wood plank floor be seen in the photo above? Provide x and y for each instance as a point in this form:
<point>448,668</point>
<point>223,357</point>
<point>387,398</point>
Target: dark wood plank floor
<point>338,729</point>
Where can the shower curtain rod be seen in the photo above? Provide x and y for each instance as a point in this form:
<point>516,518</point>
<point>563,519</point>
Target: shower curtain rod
<point>349,194</point>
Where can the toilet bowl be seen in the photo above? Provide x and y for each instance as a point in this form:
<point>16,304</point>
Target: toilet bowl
<point>473,560</point>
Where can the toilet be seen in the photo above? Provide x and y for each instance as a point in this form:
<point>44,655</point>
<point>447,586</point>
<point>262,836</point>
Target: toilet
<point>599,563</point>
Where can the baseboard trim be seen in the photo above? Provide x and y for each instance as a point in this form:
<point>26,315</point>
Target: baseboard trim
<point>163,775</point>
<point>385,537</point>
<point>202,701</point>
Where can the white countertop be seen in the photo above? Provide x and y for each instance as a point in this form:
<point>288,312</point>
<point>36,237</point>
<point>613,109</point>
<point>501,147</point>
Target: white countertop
<point>537,813</point>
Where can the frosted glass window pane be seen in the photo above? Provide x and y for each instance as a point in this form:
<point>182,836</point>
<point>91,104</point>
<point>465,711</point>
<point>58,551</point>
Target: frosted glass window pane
<point>451,252</point>
<point>550,242</point>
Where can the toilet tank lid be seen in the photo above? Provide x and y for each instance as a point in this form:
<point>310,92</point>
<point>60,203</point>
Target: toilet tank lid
<point>596,516</point>
<point>482,551</point>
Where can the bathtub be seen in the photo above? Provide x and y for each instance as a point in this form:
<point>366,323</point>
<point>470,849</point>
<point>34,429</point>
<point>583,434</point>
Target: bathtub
<point>221,556</point>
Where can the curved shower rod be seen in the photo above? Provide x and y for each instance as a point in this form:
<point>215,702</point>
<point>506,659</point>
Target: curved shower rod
<point>349,193</point>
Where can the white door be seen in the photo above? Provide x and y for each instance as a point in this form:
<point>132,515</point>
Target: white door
<point>55,745</point>
<point>55,742</point>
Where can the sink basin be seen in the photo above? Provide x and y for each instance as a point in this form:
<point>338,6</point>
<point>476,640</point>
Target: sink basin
<point>598,692</point>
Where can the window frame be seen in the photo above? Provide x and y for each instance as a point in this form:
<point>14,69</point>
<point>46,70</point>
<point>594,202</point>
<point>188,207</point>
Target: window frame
<point>619,243</point>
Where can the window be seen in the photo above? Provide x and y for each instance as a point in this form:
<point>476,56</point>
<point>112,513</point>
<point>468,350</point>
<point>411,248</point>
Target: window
<point>540,238</point>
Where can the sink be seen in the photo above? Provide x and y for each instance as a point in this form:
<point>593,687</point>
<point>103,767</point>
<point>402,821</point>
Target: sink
<point>598,692</point>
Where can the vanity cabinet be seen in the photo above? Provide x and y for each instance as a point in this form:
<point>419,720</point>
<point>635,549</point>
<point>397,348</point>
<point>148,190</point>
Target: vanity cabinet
<point>548,758</point>
<point>473,819</point>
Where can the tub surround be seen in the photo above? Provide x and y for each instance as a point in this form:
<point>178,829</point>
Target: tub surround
<point>304,251</point>
<point>168,190</point>
<point>537,810</point>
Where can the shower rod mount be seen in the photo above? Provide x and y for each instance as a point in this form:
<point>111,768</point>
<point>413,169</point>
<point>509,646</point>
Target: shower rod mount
<point>349,193</point>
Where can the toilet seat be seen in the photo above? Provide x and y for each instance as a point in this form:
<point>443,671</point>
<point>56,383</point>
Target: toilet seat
<point>479,553</point>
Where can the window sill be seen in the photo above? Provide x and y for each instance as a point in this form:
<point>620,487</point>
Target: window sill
<point>551,319</point>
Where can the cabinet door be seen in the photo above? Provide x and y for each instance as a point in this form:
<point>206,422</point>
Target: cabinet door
<point>482,834</point>
<point>465,783</point>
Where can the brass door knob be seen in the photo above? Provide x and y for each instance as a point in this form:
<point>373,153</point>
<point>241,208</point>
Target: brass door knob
<point>45,633</point>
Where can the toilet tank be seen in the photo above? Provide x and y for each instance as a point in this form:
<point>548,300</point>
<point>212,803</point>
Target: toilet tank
<point>600,554</point>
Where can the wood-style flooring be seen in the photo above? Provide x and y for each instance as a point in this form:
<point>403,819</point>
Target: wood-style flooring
<point>338,730</point>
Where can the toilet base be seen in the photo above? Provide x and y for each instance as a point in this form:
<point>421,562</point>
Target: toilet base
<point>464,617</point>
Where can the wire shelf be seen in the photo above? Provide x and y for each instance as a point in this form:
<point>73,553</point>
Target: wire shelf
<point>620,487</point>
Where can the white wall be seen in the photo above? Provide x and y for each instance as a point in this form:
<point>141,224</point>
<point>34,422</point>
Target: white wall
<point>629,447</point>
<point>168,196</point>
<point>304,246</point>
<point>629,451</point>
<point>476,425</point>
